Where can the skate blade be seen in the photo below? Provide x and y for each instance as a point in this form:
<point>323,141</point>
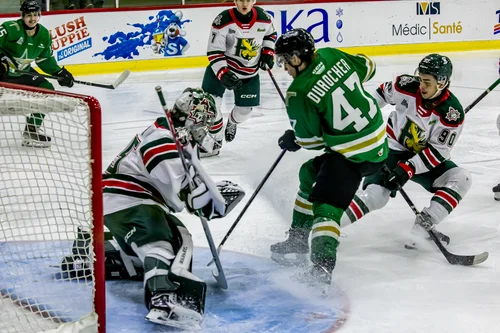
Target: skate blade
<point>34,144</point>
<point>318,289</point>
<point>161,317</point>
<point>281,259</point>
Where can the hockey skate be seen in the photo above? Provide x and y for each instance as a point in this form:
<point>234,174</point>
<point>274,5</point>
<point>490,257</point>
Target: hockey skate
<point>230,131</point>
<point>78,264</point>
<point>496,191</point>
<point>318,277</point>
<point>297,244</point>
<point>167,309</point>
<point>33,137</point>
<point>424,223</point>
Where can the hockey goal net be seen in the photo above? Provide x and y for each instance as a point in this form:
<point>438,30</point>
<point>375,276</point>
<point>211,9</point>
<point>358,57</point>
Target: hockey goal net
<point>49,196</point>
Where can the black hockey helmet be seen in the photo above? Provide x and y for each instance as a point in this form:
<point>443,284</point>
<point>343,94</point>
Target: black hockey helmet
<point>297,42</point>
<point>30,6</point>
<point>438,66</point>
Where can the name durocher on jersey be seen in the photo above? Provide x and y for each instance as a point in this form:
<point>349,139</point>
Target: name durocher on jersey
<point>329,109</point>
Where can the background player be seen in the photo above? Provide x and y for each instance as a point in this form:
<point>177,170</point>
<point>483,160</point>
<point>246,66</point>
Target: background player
<point>422,131</point>
<point>21,42</point>
<point>241,41</point>
<point>329,110</point>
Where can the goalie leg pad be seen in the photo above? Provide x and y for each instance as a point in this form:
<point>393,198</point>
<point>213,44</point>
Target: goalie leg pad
<point>176,296</point>
<point>119,265</point>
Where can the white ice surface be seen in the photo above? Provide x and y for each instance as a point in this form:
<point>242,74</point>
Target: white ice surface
<point>391,290</point>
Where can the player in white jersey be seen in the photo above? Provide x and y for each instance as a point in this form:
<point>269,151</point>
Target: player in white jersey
<point>213,141</point>
<point>143,187</point>
<point>422,131</point>
<point>241,41</point>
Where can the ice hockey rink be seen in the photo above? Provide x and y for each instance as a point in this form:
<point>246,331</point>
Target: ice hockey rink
<point>380,286</point>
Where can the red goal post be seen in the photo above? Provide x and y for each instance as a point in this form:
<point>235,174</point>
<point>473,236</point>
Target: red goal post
<point>46,196</point>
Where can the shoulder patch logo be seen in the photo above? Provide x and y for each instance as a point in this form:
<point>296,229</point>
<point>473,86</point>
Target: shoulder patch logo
<point>404,103</point>
<point>452,114</point>
<point>319,69</point>
<point>404,80</point>
<point>218,20</point>
<point>20,41</point>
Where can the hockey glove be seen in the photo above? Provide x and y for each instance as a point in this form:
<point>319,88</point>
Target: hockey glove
<point>65,78</point>
<point>287,141</point>
<point>400,175</point>
<point>266,58</point>
<point>5,63</point>
<point>229,80</point>
<point>199,202</point>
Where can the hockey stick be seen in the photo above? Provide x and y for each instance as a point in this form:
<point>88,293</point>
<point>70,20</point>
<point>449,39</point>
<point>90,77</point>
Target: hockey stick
<point>480,97</point>
<point>454,259</point>
<point>259,187</point>
<point>118,81</point>
<point>275,84</point>
<point>248,203</point>
<point>220,277</point>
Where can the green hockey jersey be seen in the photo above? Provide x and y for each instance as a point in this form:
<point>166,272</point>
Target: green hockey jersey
<point>23,49</point>
<point>329,109</point>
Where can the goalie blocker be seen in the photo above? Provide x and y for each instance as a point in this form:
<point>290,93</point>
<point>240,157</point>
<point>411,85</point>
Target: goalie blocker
<point>174,296</point>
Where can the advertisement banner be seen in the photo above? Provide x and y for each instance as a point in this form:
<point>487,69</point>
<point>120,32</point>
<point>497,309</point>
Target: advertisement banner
<point>94,37</point>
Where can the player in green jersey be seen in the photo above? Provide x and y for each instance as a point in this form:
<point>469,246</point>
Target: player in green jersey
<point>21,42</point>
<point>329,110</point>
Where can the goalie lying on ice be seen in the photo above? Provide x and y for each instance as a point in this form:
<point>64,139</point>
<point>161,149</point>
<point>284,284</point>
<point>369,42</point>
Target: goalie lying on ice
<point>142,188</point>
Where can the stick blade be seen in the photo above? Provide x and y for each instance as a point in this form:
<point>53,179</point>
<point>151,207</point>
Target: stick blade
<point>467,260</point>
<point>480,258</point>
<point>220,277</point>
<point>121,78</point>
<point>218,254</point>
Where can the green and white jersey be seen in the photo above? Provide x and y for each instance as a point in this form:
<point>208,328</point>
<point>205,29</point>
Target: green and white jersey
<point>23,49</point>
<point>329,109</point>
<point>237,46</point>
<point>148,171</point>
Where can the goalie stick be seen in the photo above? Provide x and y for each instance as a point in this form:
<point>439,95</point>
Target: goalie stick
<point>219,248</point>
<point>220,277</point>
<point>123,76</point>
<point>259,187</point>
<point>454,259</point>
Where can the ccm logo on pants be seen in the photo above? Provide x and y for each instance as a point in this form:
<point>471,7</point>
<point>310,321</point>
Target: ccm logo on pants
<point>248,96</point>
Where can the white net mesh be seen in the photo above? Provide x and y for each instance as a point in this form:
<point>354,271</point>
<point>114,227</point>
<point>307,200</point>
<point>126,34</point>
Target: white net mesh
<point>45,197</point>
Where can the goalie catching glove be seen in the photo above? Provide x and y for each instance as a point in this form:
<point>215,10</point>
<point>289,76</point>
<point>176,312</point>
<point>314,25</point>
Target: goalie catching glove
<point>199,200</point>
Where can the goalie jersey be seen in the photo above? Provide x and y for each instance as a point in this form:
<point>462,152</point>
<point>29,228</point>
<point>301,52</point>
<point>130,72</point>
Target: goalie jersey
<point>148,171</point>
<point>427,128</point>
<point>237,45</point>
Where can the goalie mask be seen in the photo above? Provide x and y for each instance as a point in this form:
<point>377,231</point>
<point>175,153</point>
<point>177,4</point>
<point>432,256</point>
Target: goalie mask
<point>193,116</point>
